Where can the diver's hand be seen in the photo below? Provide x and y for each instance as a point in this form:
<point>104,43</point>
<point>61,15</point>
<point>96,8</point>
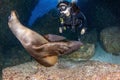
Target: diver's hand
<point>83,31</point>
<point>60,30</point>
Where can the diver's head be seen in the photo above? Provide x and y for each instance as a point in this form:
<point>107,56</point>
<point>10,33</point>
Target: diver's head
<point>64,7</point>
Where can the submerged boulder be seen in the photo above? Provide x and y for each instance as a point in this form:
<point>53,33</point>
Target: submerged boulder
<point>110,40</point>
<point>85,52</point>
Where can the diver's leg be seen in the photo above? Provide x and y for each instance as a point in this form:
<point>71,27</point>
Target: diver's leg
<point>79,37</point>
<point>77,30</point>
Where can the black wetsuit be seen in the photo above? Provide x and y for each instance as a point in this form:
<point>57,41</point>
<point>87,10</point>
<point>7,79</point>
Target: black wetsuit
<point>74,23</point>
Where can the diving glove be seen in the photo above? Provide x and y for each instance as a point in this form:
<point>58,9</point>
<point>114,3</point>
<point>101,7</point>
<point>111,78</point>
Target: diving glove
<point>83,31</point>
<point>60,30</point>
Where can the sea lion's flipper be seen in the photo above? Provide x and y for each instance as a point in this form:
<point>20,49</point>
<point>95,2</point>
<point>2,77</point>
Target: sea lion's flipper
<point>47,61</point>
<point>47,54</point>
<point>58,48</point>
<point>53,37</point>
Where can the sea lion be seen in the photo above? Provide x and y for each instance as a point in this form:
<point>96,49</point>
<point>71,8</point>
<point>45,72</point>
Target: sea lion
<point>44,51</point>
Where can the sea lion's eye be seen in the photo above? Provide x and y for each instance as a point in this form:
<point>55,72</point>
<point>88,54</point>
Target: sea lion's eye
<point>9,17</point>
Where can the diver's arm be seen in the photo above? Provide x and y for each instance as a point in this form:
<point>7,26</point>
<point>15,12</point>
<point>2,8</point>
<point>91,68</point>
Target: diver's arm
<point>84,20</point>
<point>73,21</point>
<point>83,26</point>
<point>62,27</point>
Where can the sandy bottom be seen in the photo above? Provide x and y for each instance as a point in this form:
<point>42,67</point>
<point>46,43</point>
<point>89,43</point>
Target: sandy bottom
<point>101,55</point>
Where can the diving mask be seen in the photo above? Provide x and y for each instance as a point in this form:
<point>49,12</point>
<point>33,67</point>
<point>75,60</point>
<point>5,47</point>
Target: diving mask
<point>62,8</point>
<point>65,10</point>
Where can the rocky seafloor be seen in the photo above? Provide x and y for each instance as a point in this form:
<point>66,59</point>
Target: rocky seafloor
<point>102,66</point>
<point>63,70</point>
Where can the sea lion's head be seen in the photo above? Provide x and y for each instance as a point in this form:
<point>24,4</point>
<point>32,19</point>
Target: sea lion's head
<point>13,18</point>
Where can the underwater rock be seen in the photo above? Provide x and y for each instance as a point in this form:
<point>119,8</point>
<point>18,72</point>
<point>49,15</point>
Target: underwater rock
<point>110,40</point>
<point>85,52</point>
<point>89,70</point>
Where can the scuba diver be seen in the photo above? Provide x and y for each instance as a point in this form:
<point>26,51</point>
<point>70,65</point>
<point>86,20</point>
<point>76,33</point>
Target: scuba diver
<point>71,18</point>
